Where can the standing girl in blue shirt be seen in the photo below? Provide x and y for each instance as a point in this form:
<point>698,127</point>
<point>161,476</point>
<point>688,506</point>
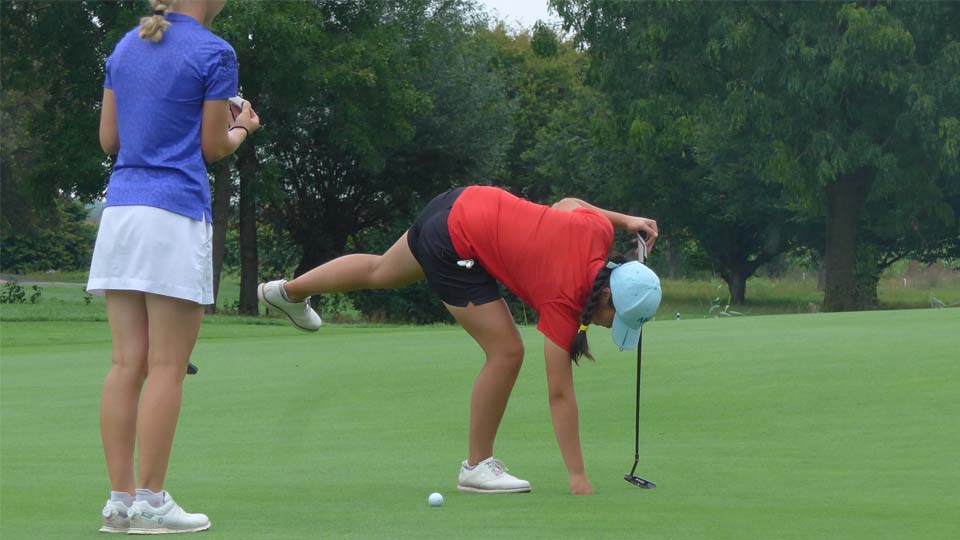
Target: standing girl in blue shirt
<point>164,114</point>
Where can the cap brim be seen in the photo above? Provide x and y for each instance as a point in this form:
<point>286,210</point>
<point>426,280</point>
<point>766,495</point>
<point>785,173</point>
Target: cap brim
<point>625,337</point>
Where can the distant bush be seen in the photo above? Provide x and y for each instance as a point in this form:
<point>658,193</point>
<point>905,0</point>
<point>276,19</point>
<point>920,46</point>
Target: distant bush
<point>66,243</point>
<point>414,304</point>
<point>277,254</point>
<point>12,293</point>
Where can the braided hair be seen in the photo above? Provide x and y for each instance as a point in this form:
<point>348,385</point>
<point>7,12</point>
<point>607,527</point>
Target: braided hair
<point>579,347</point>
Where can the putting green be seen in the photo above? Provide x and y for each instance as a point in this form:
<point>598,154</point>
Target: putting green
<point>785,427</point>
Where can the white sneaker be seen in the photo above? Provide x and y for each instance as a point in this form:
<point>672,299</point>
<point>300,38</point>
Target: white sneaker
<point>166,519</point>
<point>490,476</point>
<point>300,314</point>
<point>115,518</point>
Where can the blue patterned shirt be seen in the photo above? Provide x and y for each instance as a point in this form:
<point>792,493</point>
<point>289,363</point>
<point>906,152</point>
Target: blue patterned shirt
<point>160,89</point>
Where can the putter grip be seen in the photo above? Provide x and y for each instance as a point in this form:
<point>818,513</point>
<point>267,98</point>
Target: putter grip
<point>642,247</point>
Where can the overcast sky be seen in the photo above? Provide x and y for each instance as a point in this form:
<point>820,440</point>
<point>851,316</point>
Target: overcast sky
<point>520,12</point>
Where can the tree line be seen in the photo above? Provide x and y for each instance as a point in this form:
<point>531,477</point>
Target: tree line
<point>748,130</point>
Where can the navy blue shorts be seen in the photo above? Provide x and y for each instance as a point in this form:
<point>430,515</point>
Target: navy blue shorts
<point>429,240</point>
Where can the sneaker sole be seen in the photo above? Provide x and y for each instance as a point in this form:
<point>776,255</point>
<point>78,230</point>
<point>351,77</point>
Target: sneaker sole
<point>468,489</point>
<point>108,529</point>
<point>168,531</point>
<point>266,302</point>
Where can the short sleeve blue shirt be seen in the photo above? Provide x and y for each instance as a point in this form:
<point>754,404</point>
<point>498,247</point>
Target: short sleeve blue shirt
<point>160,89</point>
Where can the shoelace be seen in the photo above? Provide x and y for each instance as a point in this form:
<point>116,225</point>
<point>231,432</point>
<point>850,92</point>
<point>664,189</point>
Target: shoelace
<point>134,512</point>
<point>497,467</point>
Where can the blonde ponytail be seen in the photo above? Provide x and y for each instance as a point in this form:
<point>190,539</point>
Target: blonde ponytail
<point>153,26</point>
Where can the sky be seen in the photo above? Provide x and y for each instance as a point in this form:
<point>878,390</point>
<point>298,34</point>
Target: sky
<point>520,12</point>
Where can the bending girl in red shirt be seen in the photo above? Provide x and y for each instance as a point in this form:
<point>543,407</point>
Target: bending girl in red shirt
<point>554,258</point>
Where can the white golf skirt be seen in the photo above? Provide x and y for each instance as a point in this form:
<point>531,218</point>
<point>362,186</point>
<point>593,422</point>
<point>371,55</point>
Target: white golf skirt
<point>142,248</point>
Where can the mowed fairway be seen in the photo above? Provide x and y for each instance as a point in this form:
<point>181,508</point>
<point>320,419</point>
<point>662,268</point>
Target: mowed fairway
<point>781,427</point>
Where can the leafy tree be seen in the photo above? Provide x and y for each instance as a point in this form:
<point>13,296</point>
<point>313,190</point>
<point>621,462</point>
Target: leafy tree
<point>660,143</point>
<point>850,107</point>
<point>540,75</point>
<point>380,105</point>
<point>376,106</point>
<point>261,33</point>
<point>51,74</point>
<point>544,42</point>
<point>64,243</point>
<point>879,154</point>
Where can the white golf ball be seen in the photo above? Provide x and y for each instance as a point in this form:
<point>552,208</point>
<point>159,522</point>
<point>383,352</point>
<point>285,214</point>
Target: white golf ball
<point>435,499</point>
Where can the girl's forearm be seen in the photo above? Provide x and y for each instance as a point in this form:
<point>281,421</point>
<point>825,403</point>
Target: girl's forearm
<point>618,220</point>
<point>236,136</point>
<point>566,426</point>
<point>228,146</point>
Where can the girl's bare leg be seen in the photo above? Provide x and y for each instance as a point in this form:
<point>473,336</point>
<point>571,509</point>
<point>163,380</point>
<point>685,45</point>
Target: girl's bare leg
<point>492,326</point>
<point>173,328</point>
<point>395,268</point>
<point>127,312</point>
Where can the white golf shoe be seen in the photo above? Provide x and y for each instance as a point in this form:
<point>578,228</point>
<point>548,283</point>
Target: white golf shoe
<point>115,518</point>
<point>165,519</point>
<point>490,476</point>
<point>300,314</point>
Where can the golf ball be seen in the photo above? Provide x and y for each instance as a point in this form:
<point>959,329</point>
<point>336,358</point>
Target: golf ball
<point>435,499</point>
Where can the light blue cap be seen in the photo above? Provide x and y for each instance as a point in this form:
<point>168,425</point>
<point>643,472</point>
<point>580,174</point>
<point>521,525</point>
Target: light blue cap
<point>635,289</point>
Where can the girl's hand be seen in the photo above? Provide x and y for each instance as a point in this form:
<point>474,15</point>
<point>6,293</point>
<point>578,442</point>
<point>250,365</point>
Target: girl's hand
<point>247,118</point>
<point>646,226</point>
<point>580,485</point>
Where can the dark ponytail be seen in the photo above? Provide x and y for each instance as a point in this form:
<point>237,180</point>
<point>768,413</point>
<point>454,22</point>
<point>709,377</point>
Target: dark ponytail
<point>579,347</point>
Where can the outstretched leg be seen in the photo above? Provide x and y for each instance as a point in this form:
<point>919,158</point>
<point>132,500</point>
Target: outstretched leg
<point>492,326</point>
<point>395,268</point>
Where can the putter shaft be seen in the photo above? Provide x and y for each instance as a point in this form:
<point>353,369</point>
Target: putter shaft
<point>632,477</point>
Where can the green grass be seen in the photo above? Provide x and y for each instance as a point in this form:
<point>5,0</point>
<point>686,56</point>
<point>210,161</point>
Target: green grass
<point>70,303</point>
<point>788,427</point>
<point>693,299</point>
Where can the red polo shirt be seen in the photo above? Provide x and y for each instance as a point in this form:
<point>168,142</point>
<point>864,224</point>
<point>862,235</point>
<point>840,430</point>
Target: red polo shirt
<point>547,257</point>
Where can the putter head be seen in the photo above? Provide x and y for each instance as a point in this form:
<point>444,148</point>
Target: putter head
<point>192,369</point>
<point>639,482</point>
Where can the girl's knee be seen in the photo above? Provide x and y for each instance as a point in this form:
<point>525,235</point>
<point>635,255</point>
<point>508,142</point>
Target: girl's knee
<point>509,356</point>
<point>170,371</point>
<point>131,363</point>
<point>516,352</point>
<point>127,376</point>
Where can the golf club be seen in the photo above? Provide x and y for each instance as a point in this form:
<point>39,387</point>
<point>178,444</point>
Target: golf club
<point>632,477</point>
<point>192,369</point>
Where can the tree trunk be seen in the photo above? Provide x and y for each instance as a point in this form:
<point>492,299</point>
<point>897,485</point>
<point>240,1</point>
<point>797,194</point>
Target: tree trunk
<point>222,189</point>
<point>249,263</point>
<point>735,255</point>
<point>845,283</point>
<point>673,260</point>
<point>737,286</point>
